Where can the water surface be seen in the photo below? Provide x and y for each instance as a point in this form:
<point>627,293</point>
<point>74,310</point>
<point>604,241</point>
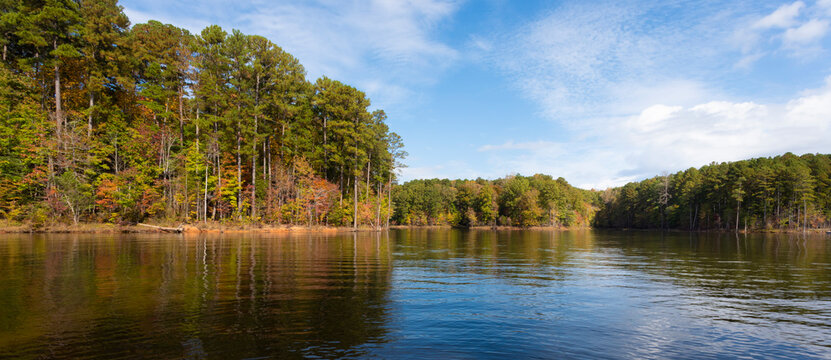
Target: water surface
<point>416,294</point>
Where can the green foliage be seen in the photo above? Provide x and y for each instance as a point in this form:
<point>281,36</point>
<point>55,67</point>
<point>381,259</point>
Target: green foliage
<point>103,122</point>
<point>512,201</point>
<point>785,191</point>
<point>74,191</point>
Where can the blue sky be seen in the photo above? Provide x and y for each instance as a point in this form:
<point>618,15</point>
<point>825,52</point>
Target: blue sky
<point>600,93</point>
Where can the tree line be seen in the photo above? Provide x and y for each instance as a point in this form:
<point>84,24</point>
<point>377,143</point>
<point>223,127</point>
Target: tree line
<point>787,192</point>
<point>538,200</point>
<point>782,192</point>
<point>104,121</point>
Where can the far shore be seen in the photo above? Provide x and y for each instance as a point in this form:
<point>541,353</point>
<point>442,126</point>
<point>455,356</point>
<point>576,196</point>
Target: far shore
<point>217,228</point>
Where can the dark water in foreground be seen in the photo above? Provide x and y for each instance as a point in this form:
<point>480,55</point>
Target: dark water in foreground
<point>416,294</point>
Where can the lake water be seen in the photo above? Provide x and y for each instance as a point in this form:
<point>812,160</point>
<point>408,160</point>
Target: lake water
<point>433,294</point>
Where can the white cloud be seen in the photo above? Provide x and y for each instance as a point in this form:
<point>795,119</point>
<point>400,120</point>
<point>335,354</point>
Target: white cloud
<point>794,29</point>
<point>808,32</point>
<point>674,138</point>
<point>633,96</point>
<point>610,59</point>
<point>747,60</point>
<point>783,17</point>
<point>653,117</point>
<point>812,110</point>
<point>386,46</point>
<point>191,24</point>
<point>335,37</point>
<point>638,93</point>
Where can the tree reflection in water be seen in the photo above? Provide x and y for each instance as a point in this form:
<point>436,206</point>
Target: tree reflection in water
<point>438,293</point>
<point>161,296</point>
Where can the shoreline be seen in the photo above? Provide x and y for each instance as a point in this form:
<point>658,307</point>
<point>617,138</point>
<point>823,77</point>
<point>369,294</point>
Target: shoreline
<point>215,228</point>
<point>211,228</point>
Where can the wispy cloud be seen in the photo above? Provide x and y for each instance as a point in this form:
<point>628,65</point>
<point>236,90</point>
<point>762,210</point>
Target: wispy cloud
<point>783,17</point>
<point>673,138</point>
<point>385,47</point>
<point>808,32</point>
<point>194,25</point>
<point>639,88</point>
<point>588,59</point>
<point>338,36</point>
<point>795,29</point>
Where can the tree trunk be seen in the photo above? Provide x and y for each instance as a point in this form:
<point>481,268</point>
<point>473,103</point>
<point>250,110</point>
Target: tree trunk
<point>58,108</point>
<point>187,195</point>
<point>389,199</point>
<point>691,217</point>
<point>368,170</point>
<point>254,151</point>
<point>218,158</point>
<point>205,209</point>
<point>282,140</point>
<point>239,163</point>
<point>738,211</point>
<point>89,116</point>
<point>181,119</point>
<point>218,200</point>
<point>778,202</point>
<point>72,209</point>
<point>765,214</point>
<point>239,178</point>
<point>254,184</point>
<point>197,128</point>
<point>378,214</point>
<point>695,218</point>
<point>270,183</point>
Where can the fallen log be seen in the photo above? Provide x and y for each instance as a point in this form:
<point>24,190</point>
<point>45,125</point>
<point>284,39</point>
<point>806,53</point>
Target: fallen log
<point>162,228</point>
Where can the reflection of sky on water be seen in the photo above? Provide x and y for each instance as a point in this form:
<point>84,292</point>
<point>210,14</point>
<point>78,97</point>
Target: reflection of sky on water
<point>594,299</point>
<point>416,294</point>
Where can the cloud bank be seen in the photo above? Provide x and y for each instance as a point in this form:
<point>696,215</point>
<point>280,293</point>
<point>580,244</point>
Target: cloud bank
<point>640,88</point>
<point>663,137</point>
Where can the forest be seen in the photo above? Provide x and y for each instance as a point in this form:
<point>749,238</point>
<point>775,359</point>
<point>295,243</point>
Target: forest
<point>783,192</point>
<point>107,122</point>
<point>786,192</point>
<point>516,200</point>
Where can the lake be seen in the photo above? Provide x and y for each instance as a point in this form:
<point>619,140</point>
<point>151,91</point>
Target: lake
<point>416,293</point>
